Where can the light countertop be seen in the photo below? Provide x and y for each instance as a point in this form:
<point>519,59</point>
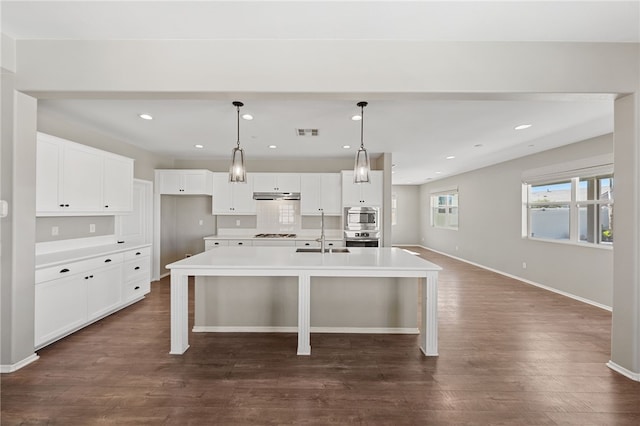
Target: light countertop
<point>333,235</point>
<point>286,258</point>
<point>56,258</point>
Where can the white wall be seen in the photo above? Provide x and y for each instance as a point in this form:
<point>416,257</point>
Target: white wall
<point>490,227</point>
<point>405,231</point>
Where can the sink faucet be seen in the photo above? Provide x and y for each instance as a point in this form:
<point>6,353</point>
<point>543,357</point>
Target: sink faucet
<point>321,239</point>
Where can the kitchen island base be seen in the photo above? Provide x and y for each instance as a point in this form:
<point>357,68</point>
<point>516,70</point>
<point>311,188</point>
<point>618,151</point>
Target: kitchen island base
<point>281,270</point>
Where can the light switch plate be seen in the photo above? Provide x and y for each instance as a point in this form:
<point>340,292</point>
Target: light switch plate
<point>4,208</point>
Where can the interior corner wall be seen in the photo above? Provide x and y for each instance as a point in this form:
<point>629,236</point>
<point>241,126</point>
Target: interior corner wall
<point>490,227</point>
<point>407,197</point>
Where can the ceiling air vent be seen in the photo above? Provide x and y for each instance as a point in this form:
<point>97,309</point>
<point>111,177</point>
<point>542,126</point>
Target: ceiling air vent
<point>307,132</point>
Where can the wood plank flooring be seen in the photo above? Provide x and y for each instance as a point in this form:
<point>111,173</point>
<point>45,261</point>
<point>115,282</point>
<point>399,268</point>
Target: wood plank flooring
<point>510,354</point>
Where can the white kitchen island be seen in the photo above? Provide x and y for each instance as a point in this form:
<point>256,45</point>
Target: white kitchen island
<point>304,267</point>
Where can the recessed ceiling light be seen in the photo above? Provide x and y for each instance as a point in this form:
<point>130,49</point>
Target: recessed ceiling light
<point>272,146</point>
<point>356,117</point>
<point>478,145</point>
<point>438,173</point>
<point>451,157</point>
<point>522,126</point>
<point>199,146</point>
<point>247,116</point>
<point>145,116</point>
<point>346,146</point>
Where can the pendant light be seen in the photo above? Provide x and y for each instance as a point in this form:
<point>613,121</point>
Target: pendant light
<point>362,165</point>
<point>237,171</point>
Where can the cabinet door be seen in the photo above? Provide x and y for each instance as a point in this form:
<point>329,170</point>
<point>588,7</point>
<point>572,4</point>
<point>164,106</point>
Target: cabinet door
<point>48,158</point>
<point>288,182</point>
<point>60,307</point>
<point>362,194</point>
<point>310,193</point>
<point>81,187</point>
<point>351,194</point>
<point>196,182</point>
<point>242,195</point>
<point>264,182</point>
<point>331,193</point>
<point>169,182</point>
<point>372,192</point>
<point>279,182</point>
<point>104,290</point>
<point>222,200</point>
<point>118,184</point>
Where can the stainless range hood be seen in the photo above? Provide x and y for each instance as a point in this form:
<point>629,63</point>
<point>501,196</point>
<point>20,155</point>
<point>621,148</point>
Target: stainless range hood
<point>276,195</point>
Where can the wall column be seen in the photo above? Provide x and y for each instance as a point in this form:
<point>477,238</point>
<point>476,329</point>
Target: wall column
<point>625,330</point>
<point>19,113</point>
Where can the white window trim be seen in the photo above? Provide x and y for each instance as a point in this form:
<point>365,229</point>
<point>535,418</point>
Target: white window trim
<point>442,191</point>
<point>569,171</point>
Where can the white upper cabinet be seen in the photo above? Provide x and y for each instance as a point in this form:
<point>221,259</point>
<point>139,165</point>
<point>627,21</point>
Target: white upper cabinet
<point>231,198</point>
<point>74,179</point>
<point>117,185</point>
<point>184,182</point>
<point>320,191</point>
<point>276,182</point>
<point>362,194</point>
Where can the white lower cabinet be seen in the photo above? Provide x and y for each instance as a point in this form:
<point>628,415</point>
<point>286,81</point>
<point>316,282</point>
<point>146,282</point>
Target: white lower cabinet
<point>104,291</point>
<point>72,295</point>
<point>60,307</point>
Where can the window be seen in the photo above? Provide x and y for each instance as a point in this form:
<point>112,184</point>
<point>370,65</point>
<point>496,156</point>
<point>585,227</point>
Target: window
<point>444,210</point>
<point>578,210</point>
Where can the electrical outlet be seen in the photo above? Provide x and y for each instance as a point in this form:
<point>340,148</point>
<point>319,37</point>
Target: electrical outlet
<point>92,228</point>
<point>456,248</point>
<point>54,231</point>
<point>524,265</point>
<point>201,222</point>
<point>238,222</point>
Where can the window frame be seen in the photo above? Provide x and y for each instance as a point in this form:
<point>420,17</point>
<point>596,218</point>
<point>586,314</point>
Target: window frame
<point>434,203</point>
<point>574,204</point>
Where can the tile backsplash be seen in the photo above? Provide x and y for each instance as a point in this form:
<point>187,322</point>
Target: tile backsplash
<point>278,216</point>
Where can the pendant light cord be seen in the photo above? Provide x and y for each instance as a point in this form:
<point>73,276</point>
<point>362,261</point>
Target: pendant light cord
<point>238,121</point>
<point>362,127</point>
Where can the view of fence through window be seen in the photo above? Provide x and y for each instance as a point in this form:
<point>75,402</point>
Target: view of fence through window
<point>556,213</point>
<point>444,210</point>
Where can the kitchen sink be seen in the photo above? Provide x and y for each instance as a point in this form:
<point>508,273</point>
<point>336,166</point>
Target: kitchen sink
<point>318,250</point>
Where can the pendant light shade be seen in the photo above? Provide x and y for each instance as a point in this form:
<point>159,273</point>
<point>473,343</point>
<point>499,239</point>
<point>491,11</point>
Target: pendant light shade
<point>237,171</point>
<point>362,165</point>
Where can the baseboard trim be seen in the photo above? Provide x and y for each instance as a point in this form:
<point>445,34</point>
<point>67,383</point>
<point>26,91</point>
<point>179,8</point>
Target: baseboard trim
<point>267,329</point>
<point>4,368</point>
<point>620,369</point>
<point>526,281</point>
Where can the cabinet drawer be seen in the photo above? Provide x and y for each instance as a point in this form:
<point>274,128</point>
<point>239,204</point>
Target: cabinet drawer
<point>307,243</point>
<point>135,289</point>
<point>136,267</point>
<point>209,244</point>
<point>72,268</point>
<point>137,253</point>
<point>240,242</point>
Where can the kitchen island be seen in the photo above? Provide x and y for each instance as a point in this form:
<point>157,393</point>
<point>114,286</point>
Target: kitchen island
<point>306,268</point>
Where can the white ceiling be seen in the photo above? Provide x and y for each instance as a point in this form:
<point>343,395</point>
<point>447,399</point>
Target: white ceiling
<point>419,133</point>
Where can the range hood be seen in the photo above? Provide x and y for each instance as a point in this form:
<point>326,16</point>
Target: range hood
<point>276,195</point>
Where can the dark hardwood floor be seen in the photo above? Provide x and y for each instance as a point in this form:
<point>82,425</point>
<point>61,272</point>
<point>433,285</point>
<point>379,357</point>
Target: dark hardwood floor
<point>510,354</point>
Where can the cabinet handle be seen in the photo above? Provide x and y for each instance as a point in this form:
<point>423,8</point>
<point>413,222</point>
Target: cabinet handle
<point>66,205</point>
<point>138,253</point>
<point>107,260</point>
<point>137,287</point>
<point>86,278</point>
<point>136,268</point>
<point>90,276</point>
<point>215,244</point>
<point>64,270</point>
<point>61,205</point>
<point>106,207</point>
<point>240,244</point>
<point>307,244</point>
